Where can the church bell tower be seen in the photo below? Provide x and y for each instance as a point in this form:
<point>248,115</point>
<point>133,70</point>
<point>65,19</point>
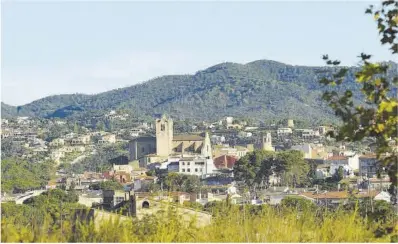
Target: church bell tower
<point>164,136</point>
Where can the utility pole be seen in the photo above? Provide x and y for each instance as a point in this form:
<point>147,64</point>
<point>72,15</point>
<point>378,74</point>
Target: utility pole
<point>62,227</point>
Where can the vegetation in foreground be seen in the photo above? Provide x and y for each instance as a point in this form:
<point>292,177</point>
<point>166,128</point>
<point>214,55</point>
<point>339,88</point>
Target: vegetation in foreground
<point>45,219</point>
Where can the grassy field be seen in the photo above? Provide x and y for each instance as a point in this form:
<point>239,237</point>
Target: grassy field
<point>229,224</point>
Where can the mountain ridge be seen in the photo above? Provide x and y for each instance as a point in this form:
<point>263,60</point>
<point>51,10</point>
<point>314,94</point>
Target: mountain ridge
<point>261,88</point>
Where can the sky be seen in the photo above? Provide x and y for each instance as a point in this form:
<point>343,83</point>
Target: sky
<point>64,47</point>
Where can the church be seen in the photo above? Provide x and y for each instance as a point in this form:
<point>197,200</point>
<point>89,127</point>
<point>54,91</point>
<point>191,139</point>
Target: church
<point>149,150</point>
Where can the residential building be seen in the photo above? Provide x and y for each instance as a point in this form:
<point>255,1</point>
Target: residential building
<point>112,198</point>
<point>122,177</point>
<point>174,167</point>
<point>383,196</point>
<point>368,165</point>
<point>323,130</point>
<point>217,139</point>
<point>235,126</point>
<point>225,162</point>
<point>284,131</point>
<point>229,120</point>
<point>199,166</point>
<point>81,140</point>
<point>307,133</point>
<point>335,198</point>
<point>57,142</point>
<point>350,164</point>
<point>108,138</point>
<point>123,168</point>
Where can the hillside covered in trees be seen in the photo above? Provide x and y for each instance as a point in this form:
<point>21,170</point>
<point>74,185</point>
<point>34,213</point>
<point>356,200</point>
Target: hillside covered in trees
<point>260,89</point>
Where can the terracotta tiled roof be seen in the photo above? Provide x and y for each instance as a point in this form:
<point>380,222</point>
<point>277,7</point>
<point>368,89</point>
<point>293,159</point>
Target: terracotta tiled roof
<point>337,158</point>
<point>225,161</point>
<point>187,138</point>
<point>337,195</point>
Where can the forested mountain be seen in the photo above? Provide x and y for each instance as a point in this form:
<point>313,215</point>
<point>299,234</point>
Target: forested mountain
<point>260,89</point>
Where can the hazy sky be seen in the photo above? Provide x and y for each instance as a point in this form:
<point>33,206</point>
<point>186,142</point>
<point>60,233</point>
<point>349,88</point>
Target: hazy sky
<point>90,47</point>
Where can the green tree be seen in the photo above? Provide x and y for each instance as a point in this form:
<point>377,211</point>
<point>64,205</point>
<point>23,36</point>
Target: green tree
<point>254,168</point>
<point>18,175</point>
<point>339,174</point>
<point>298,203</point>
<point>294,168</point>
<point>110,185</point>
<point>377,115</point>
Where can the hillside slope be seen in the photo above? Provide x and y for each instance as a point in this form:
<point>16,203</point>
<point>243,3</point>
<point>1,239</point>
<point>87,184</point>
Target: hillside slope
<point>260,89</point>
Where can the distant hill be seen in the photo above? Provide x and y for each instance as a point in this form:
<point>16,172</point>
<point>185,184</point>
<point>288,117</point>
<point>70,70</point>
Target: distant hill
<point>262,89</point>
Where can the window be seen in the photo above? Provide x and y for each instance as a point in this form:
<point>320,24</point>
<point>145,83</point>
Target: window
<point>183,170</point>
<point>183,163</point>
<point>196,170</point>
<point>162,127</point>
<point>143,149</point>
<point>189,163</point>
<point>188,170</point>
<point>201,170</point>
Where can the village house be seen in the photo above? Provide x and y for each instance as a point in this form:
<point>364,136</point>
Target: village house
<point>307,133</point>
<point>335,198</point>
<point>173,167</point>
<point>324,129</point>
<point>57,142</point>
<point>142,183</point>
<point>81,140</point>
<point>368,165</point>
<point>235,126</point>
<point>284,132</point>
<point>225,162</point>
<point>349,163</point>
<point>107,138</point>
<point>112,198</point>
<point>199,166</point>
<point>379,184</point>
<point>217,140</point>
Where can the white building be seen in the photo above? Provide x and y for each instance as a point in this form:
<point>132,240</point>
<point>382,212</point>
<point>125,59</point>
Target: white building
<point>349,164</point>
<point>229,120</point>
<point>199,166</point>
<point>217,139</point>
<point>57,142</point>
<point>108,138</point>
<point>123,168</point>
<point>284,131</point>
<point>383,196</point>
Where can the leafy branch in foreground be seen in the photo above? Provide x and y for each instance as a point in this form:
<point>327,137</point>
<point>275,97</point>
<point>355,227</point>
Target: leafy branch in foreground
<point>377,116</point>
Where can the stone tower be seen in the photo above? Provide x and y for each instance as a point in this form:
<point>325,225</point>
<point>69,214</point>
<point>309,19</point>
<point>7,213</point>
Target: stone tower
<point>290,123</point>
<point>164,136</point>
<point>206,150</point>
<point>266,142</point>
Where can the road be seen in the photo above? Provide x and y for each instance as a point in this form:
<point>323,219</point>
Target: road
<point>28,195</point>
